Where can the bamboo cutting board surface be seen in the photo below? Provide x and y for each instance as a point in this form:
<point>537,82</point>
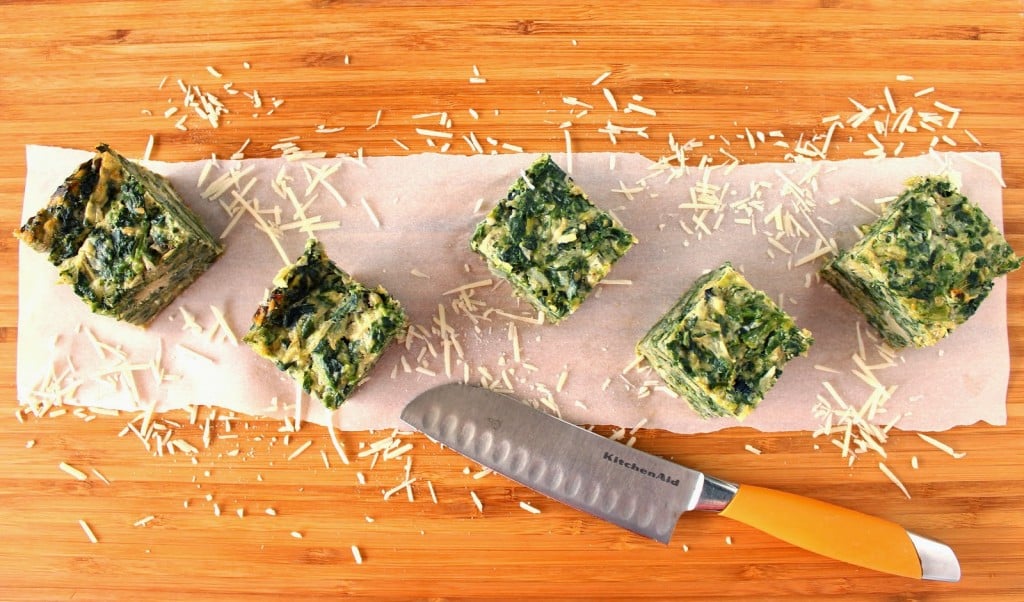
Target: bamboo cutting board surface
<point>75,74</point>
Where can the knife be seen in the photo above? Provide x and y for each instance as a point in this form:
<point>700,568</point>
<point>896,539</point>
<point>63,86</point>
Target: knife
<point>648,494</point>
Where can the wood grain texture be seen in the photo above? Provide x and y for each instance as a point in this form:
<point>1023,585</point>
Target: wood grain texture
<point>75,74</point>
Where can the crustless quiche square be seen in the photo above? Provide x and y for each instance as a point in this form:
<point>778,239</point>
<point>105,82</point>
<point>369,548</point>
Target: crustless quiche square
<point>723,344</point>
<point>924,266</point>
<point>323,328</point>
<point>121,236</point>
<point>549,241</point>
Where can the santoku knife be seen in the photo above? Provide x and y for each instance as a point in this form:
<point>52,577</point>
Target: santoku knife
<point>647,494</point>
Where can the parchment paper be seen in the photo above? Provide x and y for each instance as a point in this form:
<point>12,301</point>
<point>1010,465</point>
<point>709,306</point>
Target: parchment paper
<point>427,206</point>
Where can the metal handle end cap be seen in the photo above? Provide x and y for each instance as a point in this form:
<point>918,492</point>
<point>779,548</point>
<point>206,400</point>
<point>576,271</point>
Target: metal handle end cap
<point>938,562</point>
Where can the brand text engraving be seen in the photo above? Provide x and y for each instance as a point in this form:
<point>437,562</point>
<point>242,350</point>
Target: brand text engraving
<point>614,459</point>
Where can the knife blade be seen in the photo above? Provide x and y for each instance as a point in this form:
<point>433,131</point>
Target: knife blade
<point>648,494</point>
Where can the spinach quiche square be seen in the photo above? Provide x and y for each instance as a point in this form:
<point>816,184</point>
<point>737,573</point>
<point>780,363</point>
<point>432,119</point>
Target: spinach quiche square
<point>549,241</point>
<point>723,344</point>
<point>323,328</point>
<point>925,266</point>
<point>122,237</point>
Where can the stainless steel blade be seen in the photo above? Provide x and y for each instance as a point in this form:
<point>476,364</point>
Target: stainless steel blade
<point>635,490</point>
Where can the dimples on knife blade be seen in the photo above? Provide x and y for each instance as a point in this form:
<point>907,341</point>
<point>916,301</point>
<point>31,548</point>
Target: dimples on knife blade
<point>632,489</point>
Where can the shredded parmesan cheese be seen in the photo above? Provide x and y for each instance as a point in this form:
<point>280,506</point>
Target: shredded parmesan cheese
<point>88,531</point>
<point>892,477</point>
<point>218,315</point>
<point>302,448</point>
<point>434,133</point>
<point>370,212</point>
<point>568,151</point>
<point>610,98</point>
<point>399,487</point>
<point>529,508</point>
<point>142,522</point>
<point>149,149</point>
<point>71,470</point>
<point>334,440</point>
<point>941,446</point>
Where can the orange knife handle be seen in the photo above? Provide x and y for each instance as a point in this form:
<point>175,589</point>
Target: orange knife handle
<point>829,530</point>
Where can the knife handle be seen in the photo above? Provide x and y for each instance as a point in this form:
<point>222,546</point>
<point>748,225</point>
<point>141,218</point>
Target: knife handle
<point>843,534</point>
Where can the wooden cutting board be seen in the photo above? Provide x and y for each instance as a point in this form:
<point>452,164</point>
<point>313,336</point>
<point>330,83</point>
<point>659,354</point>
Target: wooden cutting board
<point>75,74</point>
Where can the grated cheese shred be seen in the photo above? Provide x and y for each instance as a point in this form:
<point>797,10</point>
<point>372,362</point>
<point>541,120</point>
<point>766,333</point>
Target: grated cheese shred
<point>88,531</point>
<point>941,446</point>
<point>74,472</point>
<point>529,508</point>
<point>892,477</point>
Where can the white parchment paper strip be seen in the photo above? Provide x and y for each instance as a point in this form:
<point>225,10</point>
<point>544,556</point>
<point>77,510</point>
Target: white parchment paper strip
<point>427,207</point>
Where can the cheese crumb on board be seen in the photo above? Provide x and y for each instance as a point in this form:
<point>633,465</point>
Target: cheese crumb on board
<point>601,78</point>
<point>147,154</point>
<point>100,476</point>
<point>941,446</point>
<point>529,508</point>
<point>892,477</point>
<point>71,470</point>
<point>338,447</point>
<point>610,98</point>
<point>300,449</point>
<point>568,151</point>
<point>88,531</point>
<point>399,487</point>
